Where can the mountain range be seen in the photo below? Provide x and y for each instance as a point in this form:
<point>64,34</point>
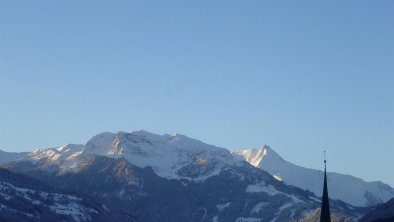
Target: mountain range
<point>142,176</point>
<point>347,188</point>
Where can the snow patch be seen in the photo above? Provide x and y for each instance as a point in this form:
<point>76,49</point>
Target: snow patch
<point>270,190</point>
<point>262,187</point>
<point>248,219</point>
<point>277,177</point>
<point>259,207</point>
<point>220,207</point>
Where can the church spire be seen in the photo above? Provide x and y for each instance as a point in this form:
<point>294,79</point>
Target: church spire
<point>325,205</point>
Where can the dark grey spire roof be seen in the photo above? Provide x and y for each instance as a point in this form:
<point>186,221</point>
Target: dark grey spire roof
<point>325,205</point>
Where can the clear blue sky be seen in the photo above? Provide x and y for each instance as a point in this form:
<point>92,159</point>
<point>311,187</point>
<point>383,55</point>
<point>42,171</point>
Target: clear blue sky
<point>300,76</point>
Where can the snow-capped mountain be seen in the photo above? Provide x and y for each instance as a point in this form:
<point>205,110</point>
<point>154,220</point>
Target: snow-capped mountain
<point>139,172</point>
<point>169,155</point>
<point>343,187</point>
<point>9,156</point>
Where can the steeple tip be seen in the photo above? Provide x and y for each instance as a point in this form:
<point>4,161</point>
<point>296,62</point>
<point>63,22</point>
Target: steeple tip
<point>325,207</point>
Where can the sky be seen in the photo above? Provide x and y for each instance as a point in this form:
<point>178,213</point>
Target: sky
<point>300,76</point>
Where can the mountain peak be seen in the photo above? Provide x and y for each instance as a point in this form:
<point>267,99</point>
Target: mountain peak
<point>100,143</point>
<point>167,154</point>
<point>267,159</point>
<point>257,157</point>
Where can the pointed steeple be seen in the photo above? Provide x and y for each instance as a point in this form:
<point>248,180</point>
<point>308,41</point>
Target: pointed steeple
<point>325,205</point>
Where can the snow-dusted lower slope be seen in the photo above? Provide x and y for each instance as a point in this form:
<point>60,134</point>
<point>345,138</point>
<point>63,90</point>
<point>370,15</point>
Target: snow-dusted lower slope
<point>344,187</point>
<point>60,204</point>
<point>25,199</point>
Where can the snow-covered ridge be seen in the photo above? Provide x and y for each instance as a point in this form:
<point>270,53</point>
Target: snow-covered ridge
<point>60,154</point>
<point>172,156</point>
<point>344,187</point>
<point>167,154</point>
